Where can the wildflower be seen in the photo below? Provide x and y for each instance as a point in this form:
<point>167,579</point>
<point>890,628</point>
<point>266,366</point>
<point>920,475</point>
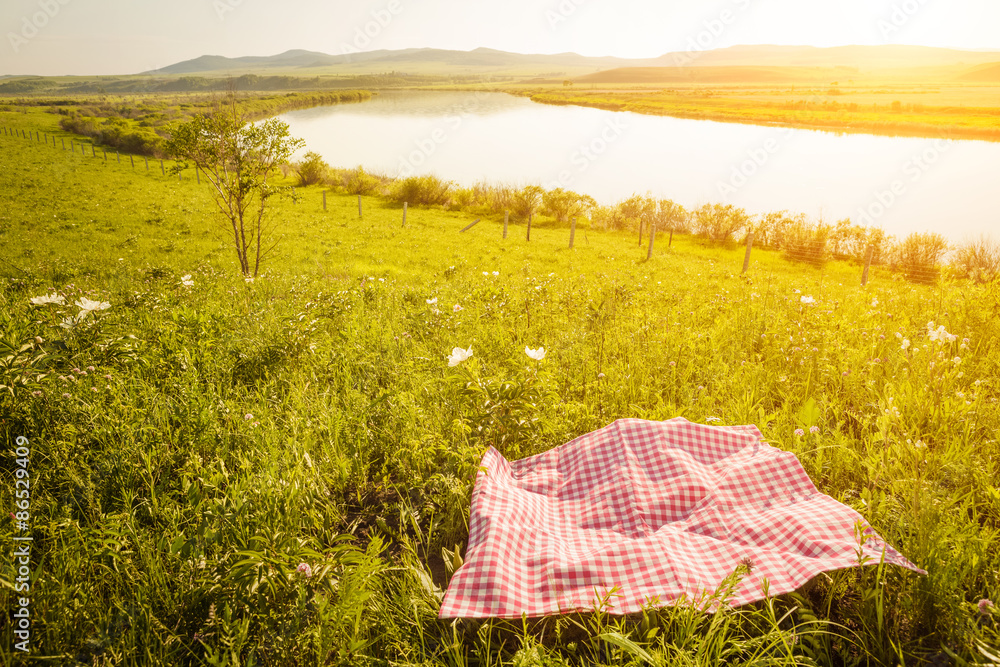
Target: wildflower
<point>906,343</point>
<point>46,300</point>
<point>67,396</point>
<point>985,606</point>
<point>77,370</point>
<point>305,570</point>
<point>108,377</point>
<point>36,394</point>
<point>458,355</point>
<point>957,361</point>
<point>432,302</point>
<point>248,416</point>
<point>87,306</point>
<point>73,320</point>
<point>248,281</point>
<point>537,355</point>
<point>601,376</point>
<point>93,389</point>
<point>186,281</point>
<point>808,300</point>
<point>458,308</point>
<point>486,273</point>
<point>846,373</point>
<point>799,432</point>
<point>672,364</point>
<point>91,369</point>
<point>496,273</point>
<point>874,303</point>
<point>713,419</point>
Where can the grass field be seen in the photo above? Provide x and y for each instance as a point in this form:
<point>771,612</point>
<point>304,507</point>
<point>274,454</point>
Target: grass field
<point>194,445</point>
<point>893,108</point>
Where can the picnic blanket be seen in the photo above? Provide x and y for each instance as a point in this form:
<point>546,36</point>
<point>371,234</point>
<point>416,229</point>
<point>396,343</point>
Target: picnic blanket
<point>652,513</point>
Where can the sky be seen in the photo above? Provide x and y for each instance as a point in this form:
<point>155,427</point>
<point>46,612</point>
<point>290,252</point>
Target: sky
<point>89,37</point>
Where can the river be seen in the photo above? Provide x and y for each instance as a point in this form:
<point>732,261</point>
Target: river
<point>901,184</point>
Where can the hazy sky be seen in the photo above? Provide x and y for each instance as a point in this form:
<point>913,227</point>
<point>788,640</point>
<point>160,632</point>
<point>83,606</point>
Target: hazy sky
<point>128,36</point>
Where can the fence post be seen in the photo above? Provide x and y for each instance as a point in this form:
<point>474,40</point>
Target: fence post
<point>406,205</point>
<point>197,175</point>
<point>105,154</point>
<point>162,170</point>
<point>506,219</point>
<point>63,141</point>
<point>572,233</point>
<point>868,265</point>
<point>746,260</point>
<point>640,232</point>
<point>670,243</point>
<point>324,200</point>
<point>360,210</point>
<point>72,146</point>
<point>119,156</point>
<point>652,240</point>
<point>473,224</point>
<point>530,216</point>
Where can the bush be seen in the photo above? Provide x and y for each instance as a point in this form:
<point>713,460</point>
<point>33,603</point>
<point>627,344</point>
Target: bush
<point>564,204</point>
<point>805,242</point>
<point>718,222</point>
<point>919,256</point>
<point>978,260</point>
<point>312,170</point>
<point>527,201</point>
<point>421,191</point>
<point>358,181</point>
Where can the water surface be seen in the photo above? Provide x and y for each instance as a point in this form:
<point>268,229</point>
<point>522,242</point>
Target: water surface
<point>901,184</point>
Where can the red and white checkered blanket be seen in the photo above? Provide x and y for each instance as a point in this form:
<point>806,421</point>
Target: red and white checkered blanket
<point>655,513</point>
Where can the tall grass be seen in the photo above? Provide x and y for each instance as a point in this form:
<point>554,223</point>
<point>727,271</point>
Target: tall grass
<point>278,472</point>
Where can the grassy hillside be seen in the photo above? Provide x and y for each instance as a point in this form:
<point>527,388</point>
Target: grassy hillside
<point>870,108</point>
<point>194,447</point>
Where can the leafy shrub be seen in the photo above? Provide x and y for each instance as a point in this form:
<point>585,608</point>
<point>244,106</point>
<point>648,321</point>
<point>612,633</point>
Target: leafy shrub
<point>718,222</point>
<point>805,242</point>
<point>564,204</point>
<point>312,169</point>
<point>978,260</point>
<point>919,256</point>
<point>526,201</point>
<point>421,191</point>
<point>358,181</point>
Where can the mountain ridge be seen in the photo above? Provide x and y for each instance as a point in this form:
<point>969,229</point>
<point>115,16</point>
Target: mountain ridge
<point>887,56</point>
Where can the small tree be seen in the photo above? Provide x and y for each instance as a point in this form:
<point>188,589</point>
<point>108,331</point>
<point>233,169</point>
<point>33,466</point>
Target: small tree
<point>312,169</point>
<point>563,204</point>
<point>238,157</point>
<point>671,216</point>
<point>527,200</point>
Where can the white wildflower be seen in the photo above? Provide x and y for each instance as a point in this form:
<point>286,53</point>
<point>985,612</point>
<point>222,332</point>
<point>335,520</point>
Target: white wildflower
<point>46,300</point>
<point>458,355</point>
<point>537,355</point>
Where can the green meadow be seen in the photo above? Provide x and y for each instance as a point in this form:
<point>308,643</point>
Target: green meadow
<point>279,471</point>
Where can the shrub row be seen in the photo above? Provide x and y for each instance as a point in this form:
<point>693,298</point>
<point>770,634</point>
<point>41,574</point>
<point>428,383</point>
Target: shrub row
<point>919,256</point>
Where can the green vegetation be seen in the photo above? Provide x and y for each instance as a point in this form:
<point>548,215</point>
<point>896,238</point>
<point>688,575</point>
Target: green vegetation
<point>277,471</point>
<point>842,109</point>
<point>140,124</point>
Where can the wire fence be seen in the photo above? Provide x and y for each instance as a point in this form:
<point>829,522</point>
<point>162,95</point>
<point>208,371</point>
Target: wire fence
<point>808,253</point>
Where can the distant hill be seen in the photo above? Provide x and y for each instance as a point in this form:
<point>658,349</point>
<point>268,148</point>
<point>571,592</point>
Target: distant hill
<point>306,60</point>
<point>984,73</point>
<point>715,74</point>
<point>311,63</point>
<point>888,56</point>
